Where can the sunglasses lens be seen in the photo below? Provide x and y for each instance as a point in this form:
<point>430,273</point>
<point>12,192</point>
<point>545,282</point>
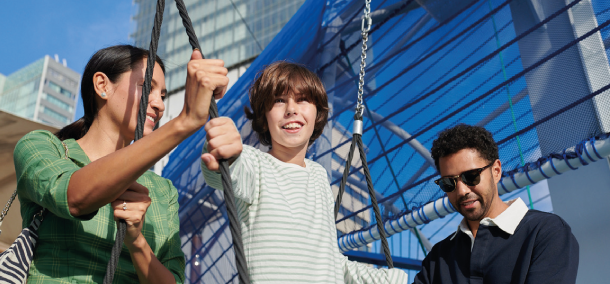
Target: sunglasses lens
<point>446,184</point>
<point>472,178</point>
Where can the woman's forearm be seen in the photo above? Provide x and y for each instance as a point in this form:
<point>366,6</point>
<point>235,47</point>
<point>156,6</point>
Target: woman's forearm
<point>148,267</point>
<point>105,179</point>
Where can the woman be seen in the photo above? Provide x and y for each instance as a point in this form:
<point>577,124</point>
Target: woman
<point>88,175</point>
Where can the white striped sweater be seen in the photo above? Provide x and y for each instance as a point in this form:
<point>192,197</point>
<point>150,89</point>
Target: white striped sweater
<point>286,213</point>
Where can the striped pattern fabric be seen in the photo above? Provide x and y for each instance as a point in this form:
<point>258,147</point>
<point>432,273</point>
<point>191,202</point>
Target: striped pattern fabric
<point>15,261</point>
<point>286,213</point>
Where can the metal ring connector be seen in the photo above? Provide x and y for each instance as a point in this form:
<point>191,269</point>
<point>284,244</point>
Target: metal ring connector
<point>357,127</point>
<point>364,21</point>
<point>40,214</point>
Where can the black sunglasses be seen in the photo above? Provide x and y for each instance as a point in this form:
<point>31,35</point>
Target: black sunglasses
<point>470,178</point>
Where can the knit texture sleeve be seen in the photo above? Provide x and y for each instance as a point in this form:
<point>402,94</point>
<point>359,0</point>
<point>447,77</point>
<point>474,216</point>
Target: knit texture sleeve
<point>358,273</point>
<point>245,171</point>
<point>43,173</point>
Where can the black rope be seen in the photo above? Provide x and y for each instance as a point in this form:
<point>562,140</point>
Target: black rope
<point>152,55</point>
<point>234,226</point>
<point>348,165</point>
<point>357,140</point>
<point>242,268</point>
<point>369,182</point>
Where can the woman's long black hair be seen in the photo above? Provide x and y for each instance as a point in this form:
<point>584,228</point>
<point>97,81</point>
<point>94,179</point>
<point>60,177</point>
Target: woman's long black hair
<point>112,61</point>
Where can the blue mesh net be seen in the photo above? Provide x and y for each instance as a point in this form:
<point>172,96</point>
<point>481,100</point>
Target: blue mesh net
<point>532,75</point>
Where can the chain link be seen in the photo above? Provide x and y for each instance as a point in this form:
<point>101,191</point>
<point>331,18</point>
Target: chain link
<point>366,27</point>
<point>8,205</point>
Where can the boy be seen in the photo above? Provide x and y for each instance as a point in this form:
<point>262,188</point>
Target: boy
<point>285,202</point>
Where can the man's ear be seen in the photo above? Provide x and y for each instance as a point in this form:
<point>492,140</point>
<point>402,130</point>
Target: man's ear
<point>101,85</point>
<point>496,170</point>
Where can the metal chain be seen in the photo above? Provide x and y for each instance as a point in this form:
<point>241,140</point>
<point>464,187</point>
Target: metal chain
<point>366,27</point>
<point>8,205</point>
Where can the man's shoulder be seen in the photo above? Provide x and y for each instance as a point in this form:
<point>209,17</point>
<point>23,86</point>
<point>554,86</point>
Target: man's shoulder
<point>539,220</point>
<point>535,216</point>
<point>447,243</point>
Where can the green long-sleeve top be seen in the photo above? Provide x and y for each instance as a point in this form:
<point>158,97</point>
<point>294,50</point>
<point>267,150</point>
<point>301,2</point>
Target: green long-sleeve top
<point>75,249</point>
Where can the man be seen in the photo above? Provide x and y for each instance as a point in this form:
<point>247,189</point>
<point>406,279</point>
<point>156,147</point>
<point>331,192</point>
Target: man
<point>496,242</point>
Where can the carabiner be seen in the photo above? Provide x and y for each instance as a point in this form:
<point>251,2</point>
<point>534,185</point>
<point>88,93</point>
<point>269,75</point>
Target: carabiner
<point>370,22</point>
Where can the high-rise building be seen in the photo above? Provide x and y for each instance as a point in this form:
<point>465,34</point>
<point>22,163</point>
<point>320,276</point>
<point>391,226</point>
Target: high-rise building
<point>232,30</point>
<point>44,91</point>
<point>2,79</point>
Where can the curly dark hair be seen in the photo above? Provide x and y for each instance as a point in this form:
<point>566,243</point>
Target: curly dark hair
<point>463,136</point>
<point>280,78</point>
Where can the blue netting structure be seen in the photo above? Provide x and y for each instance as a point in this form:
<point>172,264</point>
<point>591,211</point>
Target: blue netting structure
<point>536,77</point>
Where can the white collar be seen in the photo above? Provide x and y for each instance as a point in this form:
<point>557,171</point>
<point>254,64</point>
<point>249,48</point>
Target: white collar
<point>507,221</point>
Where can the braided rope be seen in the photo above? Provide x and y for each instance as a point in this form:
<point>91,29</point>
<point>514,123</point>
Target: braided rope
<point>152,55</point>
<point>224,167</point>
<point>369,183</point>
<point>357,140</point>
<point>348,165</point>
<point>238,246</point>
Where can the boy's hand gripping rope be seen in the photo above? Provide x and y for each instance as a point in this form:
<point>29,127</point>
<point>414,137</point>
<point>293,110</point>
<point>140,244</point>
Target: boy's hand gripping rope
<point>357,139</point>
<point>238,247</point>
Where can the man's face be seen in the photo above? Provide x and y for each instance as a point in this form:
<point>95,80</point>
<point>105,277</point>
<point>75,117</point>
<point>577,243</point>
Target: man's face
<point>473,202</point>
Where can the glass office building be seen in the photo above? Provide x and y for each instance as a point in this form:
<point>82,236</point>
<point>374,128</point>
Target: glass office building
<point>45,91</point>
<point>235,31</point>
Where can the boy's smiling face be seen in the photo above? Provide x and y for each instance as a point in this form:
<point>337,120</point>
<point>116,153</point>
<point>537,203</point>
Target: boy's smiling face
<point>291,121</point>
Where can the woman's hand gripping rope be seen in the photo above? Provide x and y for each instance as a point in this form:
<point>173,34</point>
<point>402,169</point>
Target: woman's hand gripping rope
<point>131,206</point>
<point>205,78</point>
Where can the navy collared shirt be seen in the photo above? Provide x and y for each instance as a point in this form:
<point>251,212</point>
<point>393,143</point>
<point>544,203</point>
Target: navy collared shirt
<point>542,249</point>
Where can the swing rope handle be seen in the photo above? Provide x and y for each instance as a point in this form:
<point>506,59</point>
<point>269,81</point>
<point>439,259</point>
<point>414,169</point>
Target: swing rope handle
<point>152,55</point>
<point>369,183</point>
<point>234,225</point>
<point>235,228</point>
<point>357,140</point>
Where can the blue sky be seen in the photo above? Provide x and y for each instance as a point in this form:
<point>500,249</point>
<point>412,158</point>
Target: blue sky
<point>72,29</point>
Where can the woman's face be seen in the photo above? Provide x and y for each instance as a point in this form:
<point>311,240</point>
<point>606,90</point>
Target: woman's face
<point>124,100</point>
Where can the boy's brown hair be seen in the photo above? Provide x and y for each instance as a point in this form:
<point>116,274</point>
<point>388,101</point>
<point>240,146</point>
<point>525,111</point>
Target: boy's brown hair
<point>280,78</point>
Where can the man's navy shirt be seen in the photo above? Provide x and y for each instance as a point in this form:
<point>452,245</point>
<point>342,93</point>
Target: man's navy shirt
<point>541,250</point>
